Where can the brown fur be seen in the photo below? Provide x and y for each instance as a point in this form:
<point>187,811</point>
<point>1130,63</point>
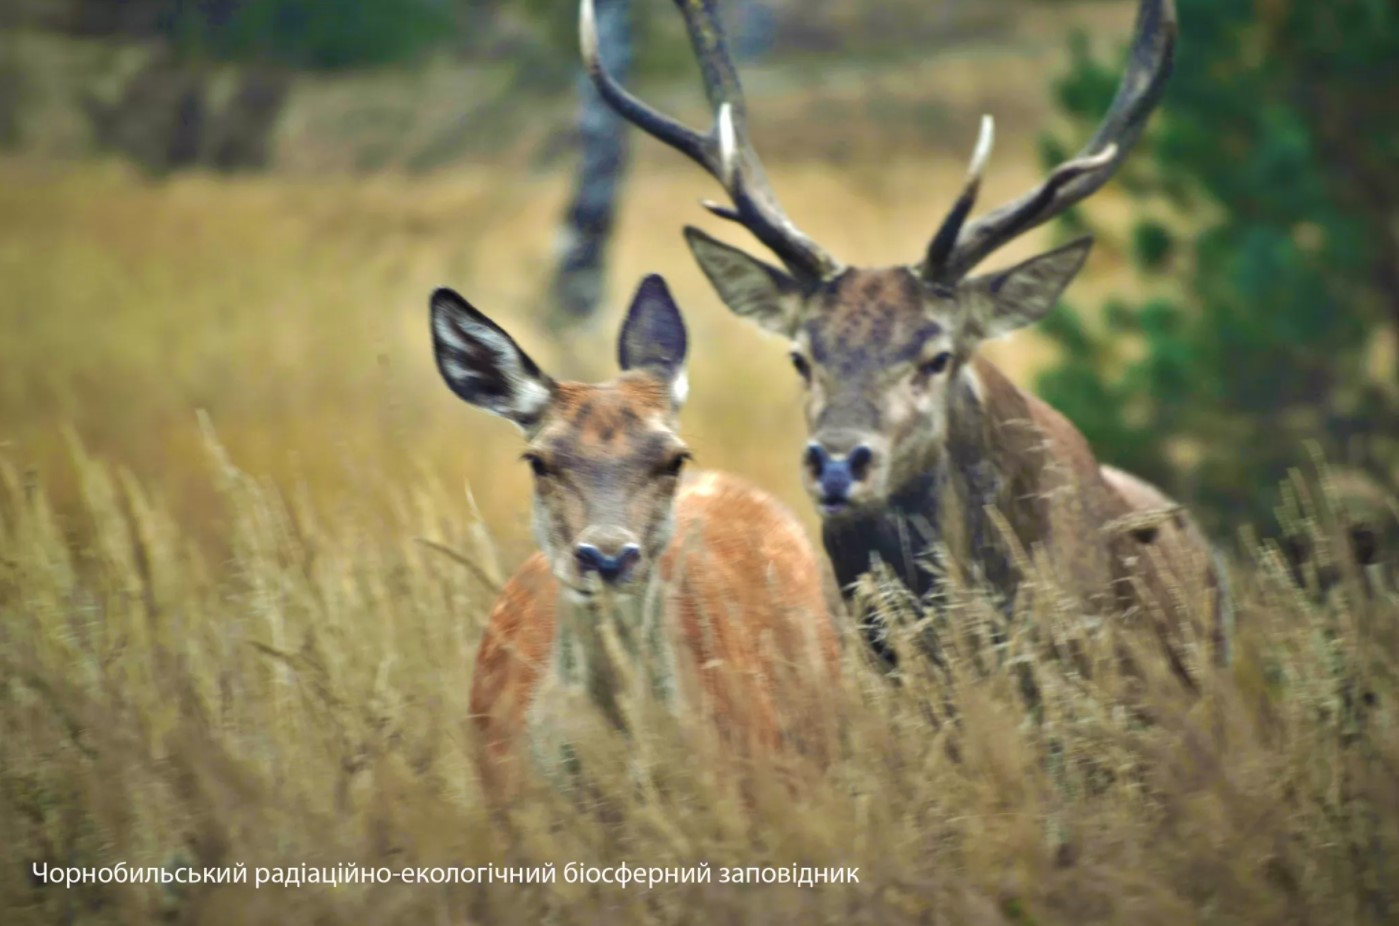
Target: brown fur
<point>707,598</point>
<point>948,442</point>
<point>913,440</point>
<point>743,600</point>
<point>1163,572</point>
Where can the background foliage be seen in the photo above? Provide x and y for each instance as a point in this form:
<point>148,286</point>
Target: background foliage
<point>311,33</point>
<point>1268,188</point>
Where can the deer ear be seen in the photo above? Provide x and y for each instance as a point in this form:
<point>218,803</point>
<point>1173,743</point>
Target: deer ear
<point>752,289</point>
<point>999,303</point>
<point>483,365</point>
<point>653,337</point>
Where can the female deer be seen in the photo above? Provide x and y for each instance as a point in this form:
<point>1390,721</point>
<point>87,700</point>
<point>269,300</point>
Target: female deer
<point>710,586</point>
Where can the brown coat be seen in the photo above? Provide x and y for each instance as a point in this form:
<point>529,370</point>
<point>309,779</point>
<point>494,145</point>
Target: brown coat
<point>754,642</point>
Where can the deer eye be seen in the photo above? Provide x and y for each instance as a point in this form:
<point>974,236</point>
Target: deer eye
<point>802,367</point>
<point>537,465</point>
<point>936,365</point>
<point>675,464</point>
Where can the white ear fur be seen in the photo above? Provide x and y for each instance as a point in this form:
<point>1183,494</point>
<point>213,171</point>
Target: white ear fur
<point>483,365</point>
<point>680,388</point>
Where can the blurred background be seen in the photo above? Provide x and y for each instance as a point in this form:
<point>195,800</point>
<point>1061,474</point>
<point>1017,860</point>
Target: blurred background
<point>240,207</point>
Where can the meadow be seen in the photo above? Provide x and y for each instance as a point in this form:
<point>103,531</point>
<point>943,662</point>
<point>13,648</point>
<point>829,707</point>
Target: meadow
<point>248,540</point>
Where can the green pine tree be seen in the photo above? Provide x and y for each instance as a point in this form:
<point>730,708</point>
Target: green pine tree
<point>1268,213</point>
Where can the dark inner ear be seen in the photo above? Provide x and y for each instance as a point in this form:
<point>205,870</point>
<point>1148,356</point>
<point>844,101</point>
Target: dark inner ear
<point>751,288</point>
<point>482,364</point>
<point>653,336</point>
<point>1005,300</point>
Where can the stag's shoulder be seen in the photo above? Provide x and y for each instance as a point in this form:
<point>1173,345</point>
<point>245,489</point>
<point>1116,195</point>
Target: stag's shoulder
<point>1042,423</point>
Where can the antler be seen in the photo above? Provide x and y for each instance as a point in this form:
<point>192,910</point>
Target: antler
<point>958,246</point>
<point>725,151</point>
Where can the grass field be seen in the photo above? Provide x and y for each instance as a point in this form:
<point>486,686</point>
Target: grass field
<point>294,313</point>
<point>292,307</point>
<point>300,700</point>
<point>224,641</point>
<point>248,539</point>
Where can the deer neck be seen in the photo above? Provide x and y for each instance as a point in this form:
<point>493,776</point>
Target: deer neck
<point>614,650</point>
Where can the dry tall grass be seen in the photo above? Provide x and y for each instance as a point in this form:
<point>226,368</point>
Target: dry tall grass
<point>249,640</point>
<point>304,702</point>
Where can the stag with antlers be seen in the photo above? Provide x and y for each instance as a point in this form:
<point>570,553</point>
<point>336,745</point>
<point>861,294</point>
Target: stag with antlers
<point>917,443</point>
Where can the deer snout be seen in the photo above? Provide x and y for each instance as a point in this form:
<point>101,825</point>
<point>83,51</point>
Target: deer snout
<point>613,567</point>
<point>836,474</point>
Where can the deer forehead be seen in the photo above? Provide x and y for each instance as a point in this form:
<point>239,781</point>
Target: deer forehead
<point>866,319</point>
<point>615,422</point>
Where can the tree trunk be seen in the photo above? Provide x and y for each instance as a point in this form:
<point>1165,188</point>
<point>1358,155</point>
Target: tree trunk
<point>576,290</point>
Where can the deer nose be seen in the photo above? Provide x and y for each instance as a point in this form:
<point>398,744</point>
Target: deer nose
<point>836,474</point>
<point>612,569</point>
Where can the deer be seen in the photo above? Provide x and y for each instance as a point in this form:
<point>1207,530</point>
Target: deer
<point>700,591</point>
<point>921,453</point>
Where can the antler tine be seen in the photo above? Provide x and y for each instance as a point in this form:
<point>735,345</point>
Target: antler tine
<point>687,141</point>
<point>725,151</point>
<point>940,249</point>
<point>1142,86</point>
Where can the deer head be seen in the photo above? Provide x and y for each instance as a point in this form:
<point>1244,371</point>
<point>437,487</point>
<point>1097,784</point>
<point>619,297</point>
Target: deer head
<point>606,458</point>
<point>885,352</point>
